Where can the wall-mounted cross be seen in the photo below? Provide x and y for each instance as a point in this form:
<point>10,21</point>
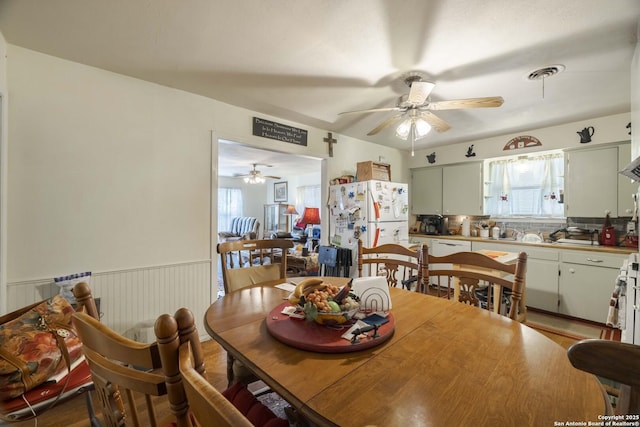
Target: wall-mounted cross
<point>330,140</point>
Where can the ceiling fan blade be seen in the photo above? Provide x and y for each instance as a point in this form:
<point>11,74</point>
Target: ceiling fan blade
<point>271,177</point>
<point>436,122</point>
<point>490,101</point>
<point>386,124</point>
<point>419,92</point>
<point>373,110</point>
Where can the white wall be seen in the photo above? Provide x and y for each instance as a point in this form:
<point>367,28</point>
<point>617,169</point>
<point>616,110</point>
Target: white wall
<point>607,129</point>
<point>106,171</point>
<point>3,173</point>
<point>635,99</point>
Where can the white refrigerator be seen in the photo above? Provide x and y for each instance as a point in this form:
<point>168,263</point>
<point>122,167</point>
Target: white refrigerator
<point>375,211</point>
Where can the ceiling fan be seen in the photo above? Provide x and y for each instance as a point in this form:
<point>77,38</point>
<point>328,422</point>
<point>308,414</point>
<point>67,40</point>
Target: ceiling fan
<point>414,109</point>
<point>255,176</point>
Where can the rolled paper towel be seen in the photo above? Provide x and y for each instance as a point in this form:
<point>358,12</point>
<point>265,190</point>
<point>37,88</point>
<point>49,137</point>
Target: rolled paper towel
<point>466,227</point>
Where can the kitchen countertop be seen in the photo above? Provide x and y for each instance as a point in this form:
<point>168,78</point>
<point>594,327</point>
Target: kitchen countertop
<point>608,249</point>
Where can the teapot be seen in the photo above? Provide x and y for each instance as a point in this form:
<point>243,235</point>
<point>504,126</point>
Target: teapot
<point>586,134</point>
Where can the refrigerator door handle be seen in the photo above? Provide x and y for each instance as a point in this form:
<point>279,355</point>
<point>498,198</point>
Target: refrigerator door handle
<point>376,208</point>
<point>376,237</point>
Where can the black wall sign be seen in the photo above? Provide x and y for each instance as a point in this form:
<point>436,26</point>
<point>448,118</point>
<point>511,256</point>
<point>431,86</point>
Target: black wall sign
<point>273,130</point>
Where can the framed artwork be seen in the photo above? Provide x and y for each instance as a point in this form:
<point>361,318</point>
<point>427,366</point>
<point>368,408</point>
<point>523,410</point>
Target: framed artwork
<point>280,191</point>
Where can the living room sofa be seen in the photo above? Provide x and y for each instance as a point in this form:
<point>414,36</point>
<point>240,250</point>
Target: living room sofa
<point>242,228</point>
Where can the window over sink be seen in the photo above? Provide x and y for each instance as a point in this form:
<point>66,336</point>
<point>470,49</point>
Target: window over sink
<point>529,185</point>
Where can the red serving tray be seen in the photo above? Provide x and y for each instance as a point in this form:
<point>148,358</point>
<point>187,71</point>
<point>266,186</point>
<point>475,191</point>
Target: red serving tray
<point>311,336</point>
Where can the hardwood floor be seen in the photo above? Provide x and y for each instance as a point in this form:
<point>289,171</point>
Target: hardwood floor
<point>73,413</point>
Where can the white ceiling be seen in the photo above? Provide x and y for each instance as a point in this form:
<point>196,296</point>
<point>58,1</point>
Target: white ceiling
<point>308,60</point>
<point>234,158</point>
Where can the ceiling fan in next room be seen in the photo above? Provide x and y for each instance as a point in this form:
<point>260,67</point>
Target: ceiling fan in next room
<point>255,176</point>
<point>414,109</point>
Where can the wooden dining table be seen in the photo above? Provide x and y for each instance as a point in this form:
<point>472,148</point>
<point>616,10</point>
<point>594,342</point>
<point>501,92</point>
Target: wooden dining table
<point>447,364</point>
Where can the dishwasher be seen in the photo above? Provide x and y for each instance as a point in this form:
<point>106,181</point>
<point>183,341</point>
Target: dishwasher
<point>442,247</point>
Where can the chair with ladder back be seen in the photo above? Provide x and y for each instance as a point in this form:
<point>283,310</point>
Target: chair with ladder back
<point>401,266</point>
<point>247,262</point>
<point>185,375</point>
<point>127,376</point>
<point>477,279</point>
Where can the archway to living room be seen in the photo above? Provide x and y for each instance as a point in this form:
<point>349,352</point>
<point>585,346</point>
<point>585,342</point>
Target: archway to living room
<point>289,180</point>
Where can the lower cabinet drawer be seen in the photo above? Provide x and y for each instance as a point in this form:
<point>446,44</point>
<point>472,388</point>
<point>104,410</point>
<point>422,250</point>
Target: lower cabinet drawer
<point>597,259</point>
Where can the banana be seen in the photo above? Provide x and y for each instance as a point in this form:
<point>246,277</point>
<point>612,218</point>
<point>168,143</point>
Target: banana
<point>294,300</point>
<point>304,288</point>
<point>306,283</point>
<point>309,289</point>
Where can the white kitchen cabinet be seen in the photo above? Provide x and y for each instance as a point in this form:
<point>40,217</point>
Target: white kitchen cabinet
<point>626,187</point>
<point>414,240</point>
<point>572,282</point>
<point>462,189</point>
<point>586,283</point>
<point>541,290</point>
<point>591,182</point>
<point>447,190</point>
<point>442,247</point>
<point>426,191</point>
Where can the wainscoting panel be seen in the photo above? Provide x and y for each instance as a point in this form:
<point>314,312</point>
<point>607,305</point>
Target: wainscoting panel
<point>132,299</point>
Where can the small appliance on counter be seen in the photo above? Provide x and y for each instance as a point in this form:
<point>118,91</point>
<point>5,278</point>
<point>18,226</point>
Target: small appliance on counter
<point>434,225</point>
<point>575,235</point>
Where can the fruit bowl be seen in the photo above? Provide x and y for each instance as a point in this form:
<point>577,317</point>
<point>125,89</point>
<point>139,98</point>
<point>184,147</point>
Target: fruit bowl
<point>334,318</point>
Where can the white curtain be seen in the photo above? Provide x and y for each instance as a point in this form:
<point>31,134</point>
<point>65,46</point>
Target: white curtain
<point>530,186</point>
<point>229,206</point>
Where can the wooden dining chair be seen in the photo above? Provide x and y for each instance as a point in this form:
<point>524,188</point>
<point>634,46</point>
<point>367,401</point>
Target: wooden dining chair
<point>398,264</point>
<point>477,279</point>
<point>184,370</point>
<point>122,367</point>
<point>612,360</point>
<point>247,262</point>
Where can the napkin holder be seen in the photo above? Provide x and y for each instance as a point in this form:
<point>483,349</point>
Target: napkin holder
<point>373,293</point>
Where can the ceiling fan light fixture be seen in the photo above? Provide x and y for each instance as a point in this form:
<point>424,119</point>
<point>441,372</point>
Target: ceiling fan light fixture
<point>403,129</point>
<point>417,128</point>
<point>422,128</point>
<point>254,179</point>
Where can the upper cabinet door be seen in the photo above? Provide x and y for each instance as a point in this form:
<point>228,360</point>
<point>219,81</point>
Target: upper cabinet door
<point>591,182</point>
<point>426,191</point>
<point>462,189</point>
